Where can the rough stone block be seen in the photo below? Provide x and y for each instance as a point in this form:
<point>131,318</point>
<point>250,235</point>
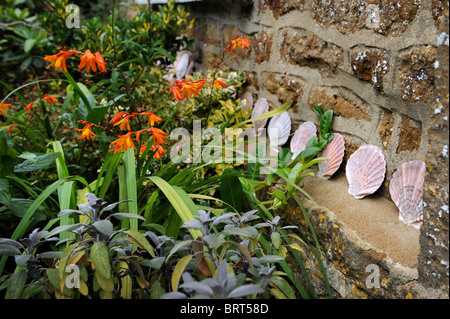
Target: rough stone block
<point>340,105</point>
<point>285,88</point>
<point>387,17</point>
<point>370,66</point>
<point>386,128</point>
<point>417,73</point>
<point>262,46</point>
<point>306,49</point>
<point>281,7</point>
<point>410,135</point>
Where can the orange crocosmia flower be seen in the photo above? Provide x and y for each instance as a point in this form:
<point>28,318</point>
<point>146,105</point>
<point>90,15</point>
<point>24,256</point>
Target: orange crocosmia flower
<point>100,62</point>
<point>243,43</point>
<point>50,99</point>
<point>152,118</point>
<point>28,107</point>
<point>4,107</point>
<point>86,132</point>
<point>193,88</point>
<point>218,84</point>
<point>9,128</point>
<point>124,142</point>
<point>90,60</point>
<point>59,60</point>
<point>176,90</point>
<point>158,135</point>
<point>142,149</point>
<point>159,151</point>
<point>123,122</point>
<point>185,89</point>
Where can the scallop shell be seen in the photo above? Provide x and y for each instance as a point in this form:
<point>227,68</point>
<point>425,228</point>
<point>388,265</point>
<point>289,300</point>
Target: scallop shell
<point>334,152</point>
<point>248,97</point>
<point>365,171</point>
<point>301,137</point>
<point>181,65</point>
<point>261,107</point>
<point>406,189</point>
<point>279,129</point>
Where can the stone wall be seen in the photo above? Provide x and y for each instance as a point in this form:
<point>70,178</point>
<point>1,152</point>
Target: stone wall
<point>381,65</point>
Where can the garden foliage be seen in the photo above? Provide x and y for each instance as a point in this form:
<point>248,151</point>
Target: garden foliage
<point>91,204</point>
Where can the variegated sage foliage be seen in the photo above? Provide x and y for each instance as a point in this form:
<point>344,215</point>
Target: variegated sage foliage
<point>102,256</point>
<point>232,259</point>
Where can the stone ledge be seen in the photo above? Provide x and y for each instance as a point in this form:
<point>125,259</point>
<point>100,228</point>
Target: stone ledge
<point>351,244</point>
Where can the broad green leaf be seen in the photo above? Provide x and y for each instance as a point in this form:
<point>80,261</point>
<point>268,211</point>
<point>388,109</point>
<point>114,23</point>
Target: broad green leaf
<point>284,156</point>
<point>106,283</point>
<point>126,282</point>
<point>16,284</point>
<point>179,270</point>
<point>283,285</point>
<point>231,189</point>
<point>318,110</point>
<point>325,123</point>
<point>276,239</point>
<point>143,242</point>
<point>296,247</point>
<point>277,293</point>
<point>100,258</point>
<point>9,250</point>
<point>248,189</point>
<point>104,226</point>
<point>37,163</point>
<point>64,258</point>
<point>28,45</point>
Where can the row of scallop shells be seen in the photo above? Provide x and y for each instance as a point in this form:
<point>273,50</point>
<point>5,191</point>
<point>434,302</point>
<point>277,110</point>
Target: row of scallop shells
<point>365,170</point>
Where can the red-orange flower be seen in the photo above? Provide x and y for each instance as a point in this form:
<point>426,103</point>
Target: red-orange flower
<point>59,60</point>
<point>28,107</point>
<point>123,122</point>
<point>152,118</point>
<point>243,43</point>
<point>100,62</point>
<point>124,142</point>
<point>219,84</point>
<point>4,107</point>
<point>159,151</point>
<point>158,135</point>
<point>90,60</point>
<point>50,99</point>
<point>186,89</point>
<point>9,128</point>
<point>86,132</point>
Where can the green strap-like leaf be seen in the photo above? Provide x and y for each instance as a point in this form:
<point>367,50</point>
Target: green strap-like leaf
<point>179,270</point>
<point>141,240</point>
<point>180,201</point>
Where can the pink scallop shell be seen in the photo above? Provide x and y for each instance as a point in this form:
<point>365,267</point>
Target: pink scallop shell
<point>334,152</point>
<point>406,189</point>
<point>248,97</point>
<point>365,171</point>
<point>261,107</point>
<point>279,129</point>
<point>301,137</point>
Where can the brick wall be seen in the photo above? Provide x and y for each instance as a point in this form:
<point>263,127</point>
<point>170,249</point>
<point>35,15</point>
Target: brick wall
<point>381,65</point>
